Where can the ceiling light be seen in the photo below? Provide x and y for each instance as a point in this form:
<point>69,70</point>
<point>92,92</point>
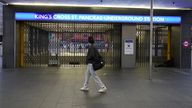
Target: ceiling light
<point>100,6</point>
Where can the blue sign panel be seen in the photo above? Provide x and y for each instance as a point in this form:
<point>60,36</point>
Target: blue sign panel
<point>95,18</point>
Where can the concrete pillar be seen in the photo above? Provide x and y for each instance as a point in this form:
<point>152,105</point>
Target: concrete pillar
<point>128,33</point>
<point>8,38</point>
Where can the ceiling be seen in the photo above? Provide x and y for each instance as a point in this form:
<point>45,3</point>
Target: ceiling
<point>159,4</point>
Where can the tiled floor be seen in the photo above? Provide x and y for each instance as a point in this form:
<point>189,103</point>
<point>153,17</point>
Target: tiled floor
<point>127,88</point>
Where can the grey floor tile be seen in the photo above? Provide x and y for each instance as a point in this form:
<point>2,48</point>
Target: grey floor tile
<point>64,105</point>
<point>48,105</point>
<point>65,100</point>
<point>127,88</point>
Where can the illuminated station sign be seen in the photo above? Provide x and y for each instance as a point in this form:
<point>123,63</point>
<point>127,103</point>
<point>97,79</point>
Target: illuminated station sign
<point>21,16</point>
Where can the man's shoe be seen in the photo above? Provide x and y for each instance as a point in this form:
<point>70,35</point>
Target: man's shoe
<point>102,90</point>
<point>84,88</point>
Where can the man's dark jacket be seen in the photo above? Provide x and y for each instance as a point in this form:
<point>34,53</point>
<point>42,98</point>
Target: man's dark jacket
<point>91,54</point>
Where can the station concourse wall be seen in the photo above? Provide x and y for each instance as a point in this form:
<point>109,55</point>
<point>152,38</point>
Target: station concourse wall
<point>9,38</point>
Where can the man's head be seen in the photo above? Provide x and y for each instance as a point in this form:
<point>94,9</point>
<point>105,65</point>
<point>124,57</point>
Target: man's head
<point>91,40</point>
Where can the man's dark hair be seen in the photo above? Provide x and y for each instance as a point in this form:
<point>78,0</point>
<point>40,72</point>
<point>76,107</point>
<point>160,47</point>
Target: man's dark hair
<point>91,40</point>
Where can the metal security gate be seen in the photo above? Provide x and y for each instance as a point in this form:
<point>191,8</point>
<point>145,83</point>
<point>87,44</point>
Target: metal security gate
<point>160,42</point>
<point>66,44</point>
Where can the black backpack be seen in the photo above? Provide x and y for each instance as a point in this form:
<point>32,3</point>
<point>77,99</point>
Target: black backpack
<point>98,61</point>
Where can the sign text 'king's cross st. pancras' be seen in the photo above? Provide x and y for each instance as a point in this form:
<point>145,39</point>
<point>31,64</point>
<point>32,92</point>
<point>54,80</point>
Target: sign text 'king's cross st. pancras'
<point>95,18</point>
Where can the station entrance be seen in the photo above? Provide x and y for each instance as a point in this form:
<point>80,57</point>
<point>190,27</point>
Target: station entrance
<point>61,44</point>
<point>164,47</point>
<point>66,44</point>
